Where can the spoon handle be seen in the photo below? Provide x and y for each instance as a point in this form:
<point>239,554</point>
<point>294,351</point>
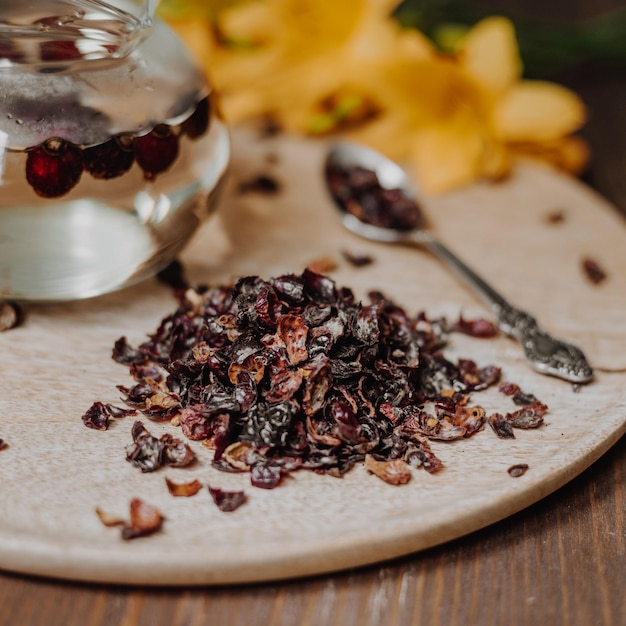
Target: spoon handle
<point>546,353</point>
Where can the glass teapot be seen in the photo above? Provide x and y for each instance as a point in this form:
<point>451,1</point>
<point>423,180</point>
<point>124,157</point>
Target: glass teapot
<point>111,148</point>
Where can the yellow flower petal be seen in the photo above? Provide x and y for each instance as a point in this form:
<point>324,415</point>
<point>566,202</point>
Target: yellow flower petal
<point>446,157</point>
<point>251,21</point>
<point>411,44</point>
<point>570,154</point>
<point>497,161</point>
<point>538,111</point>
<point>320,66</point>
<point>489,54</point>
<point>348,48</point>
<point>573,155</point>
<point>186,9</point>
<point>387,134</point>
<point>434,91</point>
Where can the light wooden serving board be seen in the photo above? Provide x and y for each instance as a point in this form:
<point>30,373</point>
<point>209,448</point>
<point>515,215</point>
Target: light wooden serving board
<point>55,472</point>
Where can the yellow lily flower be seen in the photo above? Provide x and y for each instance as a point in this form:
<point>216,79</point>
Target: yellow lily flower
<point>307,52</point>
<point>320,66</point>
<point>461,118</point>
<point>298,54</point>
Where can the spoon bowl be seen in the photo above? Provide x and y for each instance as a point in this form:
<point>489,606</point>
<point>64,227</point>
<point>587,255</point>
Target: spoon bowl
<point>376,200</point>
<point>387,176</point>
<point>345,155</point>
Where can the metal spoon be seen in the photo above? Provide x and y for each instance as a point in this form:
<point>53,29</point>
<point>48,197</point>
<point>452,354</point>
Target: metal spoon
<point>545,353</point>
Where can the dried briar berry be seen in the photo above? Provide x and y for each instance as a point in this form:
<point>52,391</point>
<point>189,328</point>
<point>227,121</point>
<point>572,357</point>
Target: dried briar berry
<point>322,265</point>
<point>270,127</point>
<point>260,184</point>
<point>517,470</point>
<point>144,519</point>
<point>96,417</point>
<point>149,453</point>
<point>110,159</point>
<point>108,519</point>
<point>156,151</point>
<point>184,490</point>
<point>476,328</point>
<point>54,167</point>
<point>593,271</point>
<point>98,414</point>
<point>357,259</point>
<point>556,216</point>
<point>528,417</point>
<point>501,426</point>
<point>394,472</point>
<point>518,396</point>
<point>227,501</point>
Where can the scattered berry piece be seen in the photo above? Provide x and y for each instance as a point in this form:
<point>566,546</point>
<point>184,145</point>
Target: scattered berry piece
<point>156,151</point>
<point>260,184</point>
<point>517,470</point>
<point>593,271</point>
<point>110,159</point>
<point>54,167</point>
<point>357,259</point>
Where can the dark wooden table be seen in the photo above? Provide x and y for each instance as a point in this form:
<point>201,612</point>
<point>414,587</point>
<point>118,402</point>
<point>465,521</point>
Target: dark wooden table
<point>559,562</point>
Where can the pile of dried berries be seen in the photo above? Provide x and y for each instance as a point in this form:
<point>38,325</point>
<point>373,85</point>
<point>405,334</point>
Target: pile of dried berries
<point>295,373</point>
<point>55,166</point>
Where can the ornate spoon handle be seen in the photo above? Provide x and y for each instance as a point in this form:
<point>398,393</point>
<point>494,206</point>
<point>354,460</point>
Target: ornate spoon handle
<point>545,353</point>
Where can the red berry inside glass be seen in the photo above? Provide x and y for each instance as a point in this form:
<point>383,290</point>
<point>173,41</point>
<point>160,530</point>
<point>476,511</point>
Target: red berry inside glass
<point>54,167</point>
<point>156,151</point>
<point>110,159</point>
<point>9,51</point>
<point>59,51</point>
<point>197,123</point>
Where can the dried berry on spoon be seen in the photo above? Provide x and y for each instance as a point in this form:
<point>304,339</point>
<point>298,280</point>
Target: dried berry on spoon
<point>360,193</point>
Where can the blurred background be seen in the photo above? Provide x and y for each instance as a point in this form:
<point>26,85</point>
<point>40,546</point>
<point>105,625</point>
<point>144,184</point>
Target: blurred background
<point>462,93</point>
<point>578,43</point>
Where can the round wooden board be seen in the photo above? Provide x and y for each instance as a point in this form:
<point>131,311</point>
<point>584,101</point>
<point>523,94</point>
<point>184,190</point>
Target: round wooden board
<point>55,472</point>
